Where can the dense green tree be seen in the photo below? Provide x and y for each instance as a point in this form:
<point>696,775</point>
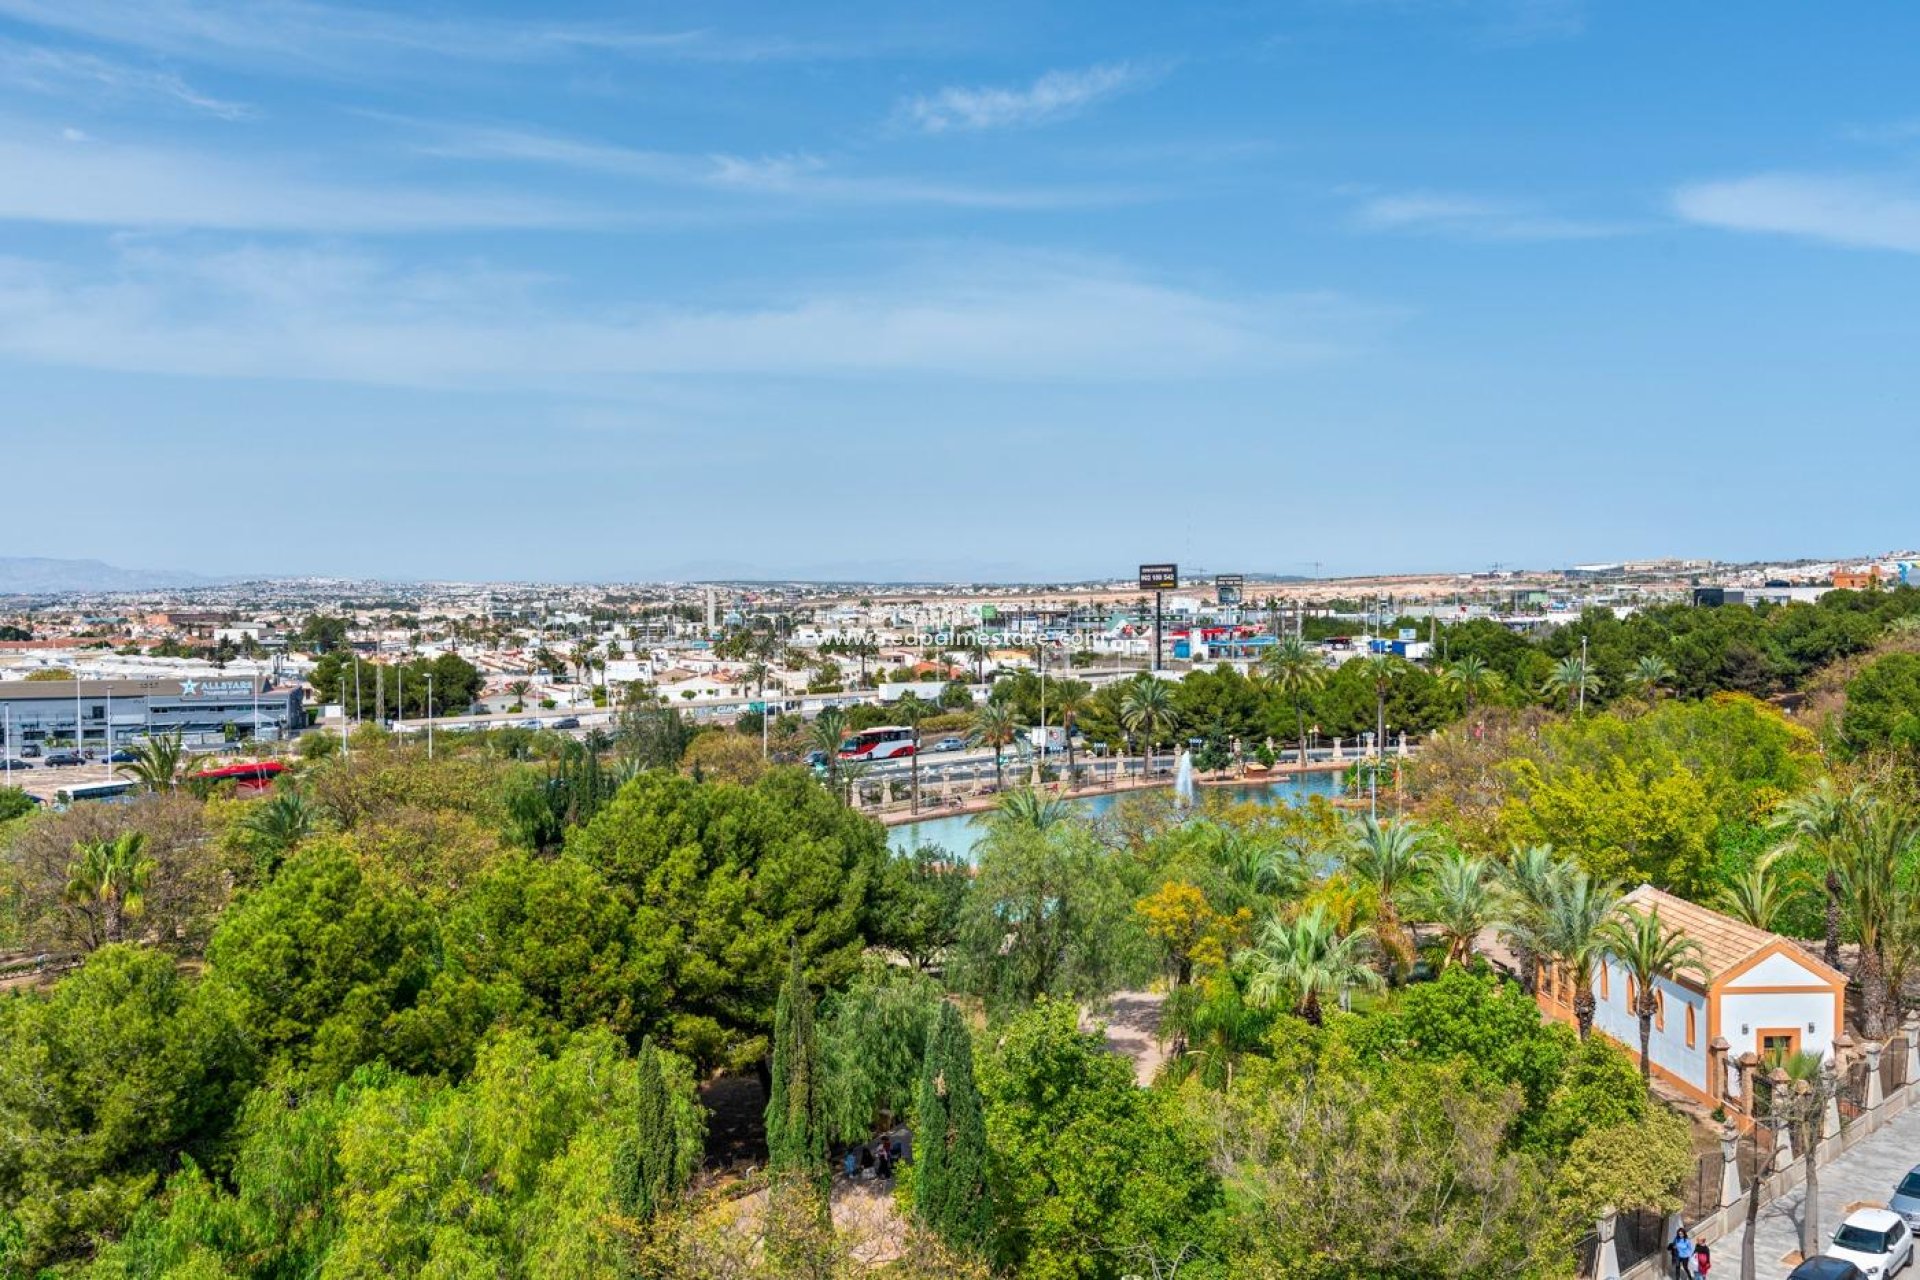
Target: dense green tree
<point>1883,705</point>
<point>104,1081</point>
<point>1488,1029</point>
<point>1050,913</point>
<point>317,964</point>
<point>873,1034</point>
<point>648,1171</point>
<point>796,1100</point>
<point>921,900</point>
<point>950,1148</point>
<point>723,881</point>
<point>14,803</point>
<point>1091,1177</point>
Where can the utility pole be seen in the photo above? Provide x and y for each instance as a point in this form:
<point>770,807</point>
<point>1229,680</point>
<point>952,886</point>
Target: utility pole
<point>429,715</point>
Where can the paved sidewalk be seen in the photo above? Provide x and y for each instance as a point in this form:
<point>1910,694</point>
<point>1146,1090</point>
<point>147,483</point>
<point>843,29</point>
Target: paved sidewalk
<point>1865,1174</point>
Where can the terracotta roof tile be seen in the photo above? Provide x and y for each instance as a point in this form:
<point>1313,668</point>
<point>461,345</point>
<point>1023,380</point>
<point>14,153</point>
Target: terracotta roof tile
<point>1725,943</point>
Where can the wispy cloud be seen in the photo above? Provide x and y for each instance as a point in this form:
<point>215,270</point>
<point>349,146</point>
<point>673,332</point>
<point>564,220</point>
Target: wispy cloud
<point>1473,217</point>
<point>798,177</point>
<point>65,72</point>
<point>254,312</point>
<point>1054,96</point>
<point>1859,212</point>
<point>344,39</point>
<point>78,180</point>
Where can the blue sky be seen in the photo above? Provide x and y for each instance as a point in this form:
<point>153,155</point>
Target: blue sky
<point>578,291</point>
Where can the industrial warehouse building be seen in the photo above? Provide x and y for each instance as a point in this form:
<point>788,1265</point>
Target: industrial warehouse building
<point>112,713</point>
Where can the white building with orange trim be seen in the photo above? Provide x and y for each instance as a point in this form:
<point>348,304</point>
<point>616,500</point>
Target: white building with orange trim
<point>1762,993</point>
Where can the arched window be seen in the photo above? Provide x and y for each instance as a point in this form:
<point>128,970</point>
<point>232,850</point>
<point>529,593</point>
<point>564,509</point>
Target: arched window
<point>1660,1010</point>
<point>1691,1028</point>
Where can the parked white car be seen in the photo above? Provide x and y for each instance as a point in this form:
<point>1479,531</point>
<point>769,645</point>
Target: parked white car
<point>1875,1240</point>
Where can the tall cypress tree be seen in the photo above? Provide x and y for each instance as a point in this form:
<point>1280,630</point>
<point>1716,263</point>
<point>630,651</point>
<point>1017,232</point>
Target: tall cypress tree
<point>796,1123</point>
<point>950,1138</point>
<point>648,1172</point>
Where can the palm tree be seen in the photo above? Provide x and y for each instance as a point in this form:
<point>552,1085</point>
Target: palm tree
<point>1222,1029</point>
<point>1382,670</point>
<point>1146,708</point>
<point>1650,954</point>
<point>156,762</point>
<point>1027,808</point>
<point>520,689</point>
<point>1462,898</point>
<point>1817,822</point>
<point>994,725</point>
<point>1301,961</point>
<point>1574,678</point>
<point>1757,895</point>
<point>112,875</point>
<point>280,822</point>
<point>828,731</point>
<point>1071,699</point>
<point>1472,676</point>
<point>1293,668</point>
<point>1649,674</point>
<point>910,711</point>
<point>1577,908</point>
<point>1388,855</point>
<point>1872,864</point>
<point>756,674</point>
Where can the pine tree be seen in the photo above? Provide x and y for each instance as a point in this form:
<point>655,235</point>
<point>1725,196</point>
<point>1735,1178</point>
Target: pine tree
<point>648,1173</point>
<point>950,1138</point>
<point>796,1125</point>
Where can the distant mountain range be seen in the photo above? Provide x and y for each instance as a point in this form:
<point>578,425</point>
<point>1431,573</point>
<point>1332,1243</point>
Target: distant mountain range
<point>35,575</point>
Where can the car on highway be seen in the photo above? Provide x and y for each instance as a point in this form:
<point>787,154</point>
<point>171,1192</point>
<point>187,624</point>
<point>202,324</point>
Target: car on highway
<point>1875,1240</point>
<point>30,750</point>
<point>65,759</point>
<point>1905,1200</point>
<point>122,756</point>
<point>1825,1268</point>
<point>527,724</point>
<point>566,722</point>
<point>17,764</point>
<point>949,744</point>
<point>817,759</point>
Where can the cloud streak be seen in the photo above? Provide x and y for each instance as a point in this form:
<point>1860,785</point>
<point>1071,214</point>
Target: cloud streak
<point>1473,218</point>
<point>1854,211</point>
<point>89,183</point>
<point>66,73</point>
<point>798,177</point>
<point>1054,96</point>
<point>344,40</point>
<point>257,313</point>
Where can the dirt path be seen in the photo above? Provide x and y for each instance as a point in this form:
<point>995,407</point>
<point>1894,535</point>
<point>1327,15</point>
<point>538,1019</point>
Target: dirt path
<point>1133,1031</point>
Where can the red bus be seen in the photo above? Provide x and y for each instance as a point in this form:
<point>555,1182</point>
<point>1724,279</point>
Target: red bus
<point>247,779</point>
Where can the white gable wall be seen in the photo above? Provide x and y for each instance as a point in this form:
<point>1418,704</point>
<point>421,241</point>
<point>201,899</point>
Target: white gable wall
<point>1743,1016</point>
<point>1782,969</point>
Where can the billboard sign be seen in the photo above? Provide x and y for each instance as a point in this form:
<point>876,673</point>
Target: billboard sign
<point>1159,577</point>
<point>1228,588</point>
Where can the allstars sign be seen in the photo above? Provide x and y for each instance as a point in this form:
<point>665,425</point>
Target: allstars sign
<point>216,688</point>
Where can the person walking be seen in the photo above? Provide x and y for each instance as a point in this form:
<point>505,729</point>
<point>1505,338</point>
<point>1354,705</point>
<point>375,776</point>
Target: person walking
<point>1702,1259</point>
<point>1681,1251</point>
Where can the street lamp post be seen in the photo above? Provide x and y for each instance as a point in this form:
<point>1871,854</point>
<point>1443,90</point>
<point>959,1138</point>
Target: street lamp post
<point>429,715</point>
